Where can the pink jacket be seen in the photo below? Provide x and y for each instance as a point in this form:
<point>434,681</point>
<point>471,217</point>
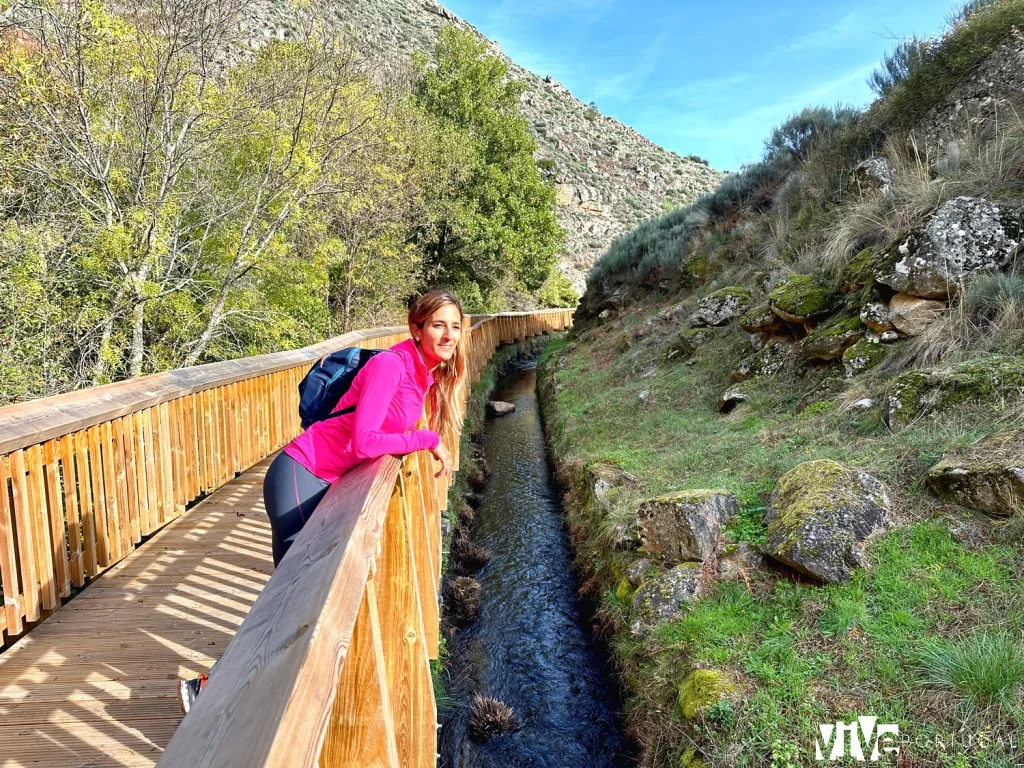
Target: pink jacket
<point>389,394</point>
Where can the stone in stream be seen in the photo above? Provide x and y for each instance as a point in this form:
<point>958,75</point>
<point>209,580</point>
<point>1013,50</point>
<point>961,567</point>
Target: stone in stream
<point>684,525</point>
<point>500,408</point>
<point>988,477</point>
<point>665,597</point>
<point>821,516</point>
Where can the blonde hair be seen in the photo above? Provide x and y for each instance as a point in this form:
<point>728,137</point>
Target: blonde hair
<point>445,396</point>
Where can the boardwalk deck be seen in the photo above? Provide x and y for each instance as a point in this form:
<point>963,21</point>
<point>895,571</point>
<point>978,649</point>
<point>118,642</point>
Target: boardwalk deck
<point>94,684</point>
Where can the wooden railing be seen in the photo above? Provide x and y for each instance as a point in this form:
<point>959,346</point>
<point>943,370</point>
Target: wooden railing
<point>85,476</point>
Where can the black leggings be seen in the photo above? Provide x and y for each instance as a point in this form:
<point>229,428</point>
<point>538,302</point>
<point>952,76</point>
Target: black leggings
<point>290,494</point>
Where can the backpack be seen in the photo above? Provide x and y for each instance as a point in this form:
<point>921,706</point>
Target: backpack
<point>328,380</point>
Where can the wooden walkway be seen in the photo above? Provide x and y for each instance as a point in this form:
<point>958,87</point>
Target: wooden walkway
<point>95,684</point>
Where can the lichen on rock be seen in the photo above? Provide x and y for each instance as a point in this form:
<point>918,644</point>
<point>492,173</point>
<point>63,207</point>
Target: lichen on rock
<point>761,319</point>
<point>862,356</point>
<point>721,306</point>
<point>820,517</point>
<point>988,477</point>
<point>965,235</point>
<point>684,525</point>
<point>769,361</point>
<point>829,340</point>
<point>665,597</point>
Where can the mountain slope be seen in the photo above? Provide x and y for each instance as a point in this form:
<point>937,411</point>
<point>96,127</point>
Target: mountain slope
<point>609,177</point>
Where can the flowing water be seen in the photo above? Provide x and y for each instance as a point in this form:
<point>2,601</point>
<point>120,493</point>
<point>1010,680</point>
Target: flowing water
<point>528,646</point>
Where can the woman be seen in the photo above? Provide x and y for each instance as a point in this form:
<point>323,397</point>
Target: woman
<point>388,394</point>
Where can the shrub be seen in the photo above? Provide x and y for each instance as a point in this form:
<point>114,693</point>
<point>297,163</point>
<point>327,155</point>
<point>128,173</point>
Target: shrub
<point>898,64</point>
<point>796,137</point>
<point>697,159</point>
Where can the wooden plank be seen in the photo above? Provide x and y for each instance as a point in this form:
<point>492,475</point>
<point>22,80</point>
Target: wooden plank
<point>359,732</point>
<point>279,676</point>
<point>174,433</point>
<point>421,568</point>
<point>166,458</point>
<point>113,492</point>
<point>69,485</point>
<point>39,515</point>
<point>56,517</point>
<point>209,458</point>
<point>198,401</point>
<point>131,531</point>
<point>13,603</point>
<point>141,480</point>
<point>83,473</point>
<point>24,536</point>
<point>189,446</point>
<point>153,478</point>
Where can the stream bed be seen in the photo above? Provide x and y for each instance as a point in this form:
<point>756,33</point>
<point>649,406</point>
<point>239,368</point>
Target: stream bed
<point>528,646</point>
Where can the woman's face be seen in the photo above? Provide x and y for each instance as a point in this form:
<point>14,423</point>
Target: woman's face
<point>440,335</point>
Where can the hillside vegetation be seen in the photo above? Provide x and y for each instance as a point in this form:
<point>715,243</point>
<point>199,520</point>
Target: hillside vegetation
<point>790,421</point>
<point>165,202</point>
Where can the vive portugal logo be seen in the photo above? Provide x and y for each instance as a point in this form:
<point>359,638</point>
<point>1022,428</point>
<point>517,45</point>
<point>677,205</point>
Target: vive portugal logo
<point>854,739</point>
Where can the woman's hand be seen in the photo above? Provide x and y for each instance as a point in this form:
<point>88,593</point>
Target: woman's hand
<point>442,454</point>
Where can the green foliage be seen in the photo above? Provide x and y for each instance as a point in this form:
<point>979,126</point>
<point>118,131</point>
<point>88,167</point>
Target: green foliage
<point>897,65</point>
<point>801,133</point>
<point>557,291</point>
<point>986,667</point>
<point>496,227</point>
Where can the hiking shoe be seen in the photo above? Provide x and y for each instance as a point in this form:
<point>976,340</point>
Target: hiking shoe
<point>188,690</point>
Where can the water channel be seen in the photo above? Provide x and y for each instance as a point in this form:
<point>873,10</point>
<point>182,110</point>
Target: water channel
<point>528,646</point>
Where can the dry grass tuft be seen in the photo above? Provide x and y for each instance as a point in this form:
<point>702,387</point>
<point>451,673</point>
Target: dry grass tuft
<point>463,601</point>
<point>490,718</point>
<point>466,557</point>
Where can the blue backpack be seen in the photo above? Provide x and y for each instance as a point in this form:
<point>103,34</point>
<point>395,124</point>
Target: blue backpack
<point>328,380</point>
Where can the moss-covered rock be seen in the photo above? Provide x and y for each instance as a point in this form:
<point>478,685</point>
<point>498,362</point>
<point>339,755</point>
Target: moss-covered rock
<point>875,315</point>
<point>735,396</point>
<point>862,356</point>
<point>761,319</point>
<point>989,477</point>
<point>701,689</point>
<point>860,270</point>
<point>691,759</point>
<point>665,597</point>
<point>720,307</point>
<point>820,517</point>
<point>801,298</point>
<point>695,269</point>
<point>830,339</point>
<point>995,380</point>
<point>684,525</point>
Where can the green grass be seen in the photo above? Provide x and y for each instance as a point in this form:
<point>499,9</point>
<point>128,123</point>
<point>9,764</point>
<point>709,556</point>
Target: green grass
<point>807,654</point>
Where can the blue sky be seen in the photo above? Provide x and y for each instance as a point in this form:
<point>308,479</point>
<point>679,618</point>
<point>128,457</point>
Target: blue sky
<point>711,78</point>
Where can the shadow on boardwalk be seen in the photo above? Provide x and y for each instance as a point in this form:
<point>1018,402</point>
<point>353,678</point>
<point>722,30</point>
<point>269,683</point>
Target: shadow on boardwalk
<point>95,684</point>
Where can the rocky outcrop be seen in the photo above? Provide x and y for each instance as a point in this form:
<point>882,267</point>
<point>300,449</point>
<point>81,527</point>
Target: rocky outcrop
<point>875,316</point>
<point>740,561</point>
<point>862,356</point>
<point>608,177</point>
<point>685,525</point>
<point>720,307</point>
<point>872,175</point>
<point>769,361</point>
<point>991,380</point>
<point>762,320</point>
<point>965,235</point>
<point>820,517</point>
<point>801,299</point>
<point>692,339</point>
<point>665,597</point>
<point>989,477</point>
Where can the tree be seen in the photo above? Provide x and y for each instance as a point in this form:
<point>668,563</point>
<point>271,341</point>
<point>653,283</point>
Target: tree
<point>493,228</point>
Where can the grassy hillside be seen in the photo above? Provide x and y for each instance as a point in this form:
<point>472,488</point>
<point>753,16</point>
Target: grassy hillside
<point>781,320</point>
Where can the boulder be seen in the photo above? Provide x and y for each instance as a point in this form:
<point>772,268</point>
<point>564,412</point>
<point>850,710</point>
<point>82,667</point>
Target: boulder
<point>769,361</point>
<point>500,408</point>
<point>829,340</point>
<point>965,235</point>
<point>720,307</point>
<point>666,597</point>
<point>731,399</point>
<point>820,517</point>
<point>862,356</point>
<point>740,561</point>
<point>762,320</point>
<point>989,477</point>
<point>872,175</point>
<point>801,299</point>
<point>639,571</point>
<point>684,525</point>
<point>875,315</point>
<point>701,689</point>
<point>992,380</point>
<point>910,315</point>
